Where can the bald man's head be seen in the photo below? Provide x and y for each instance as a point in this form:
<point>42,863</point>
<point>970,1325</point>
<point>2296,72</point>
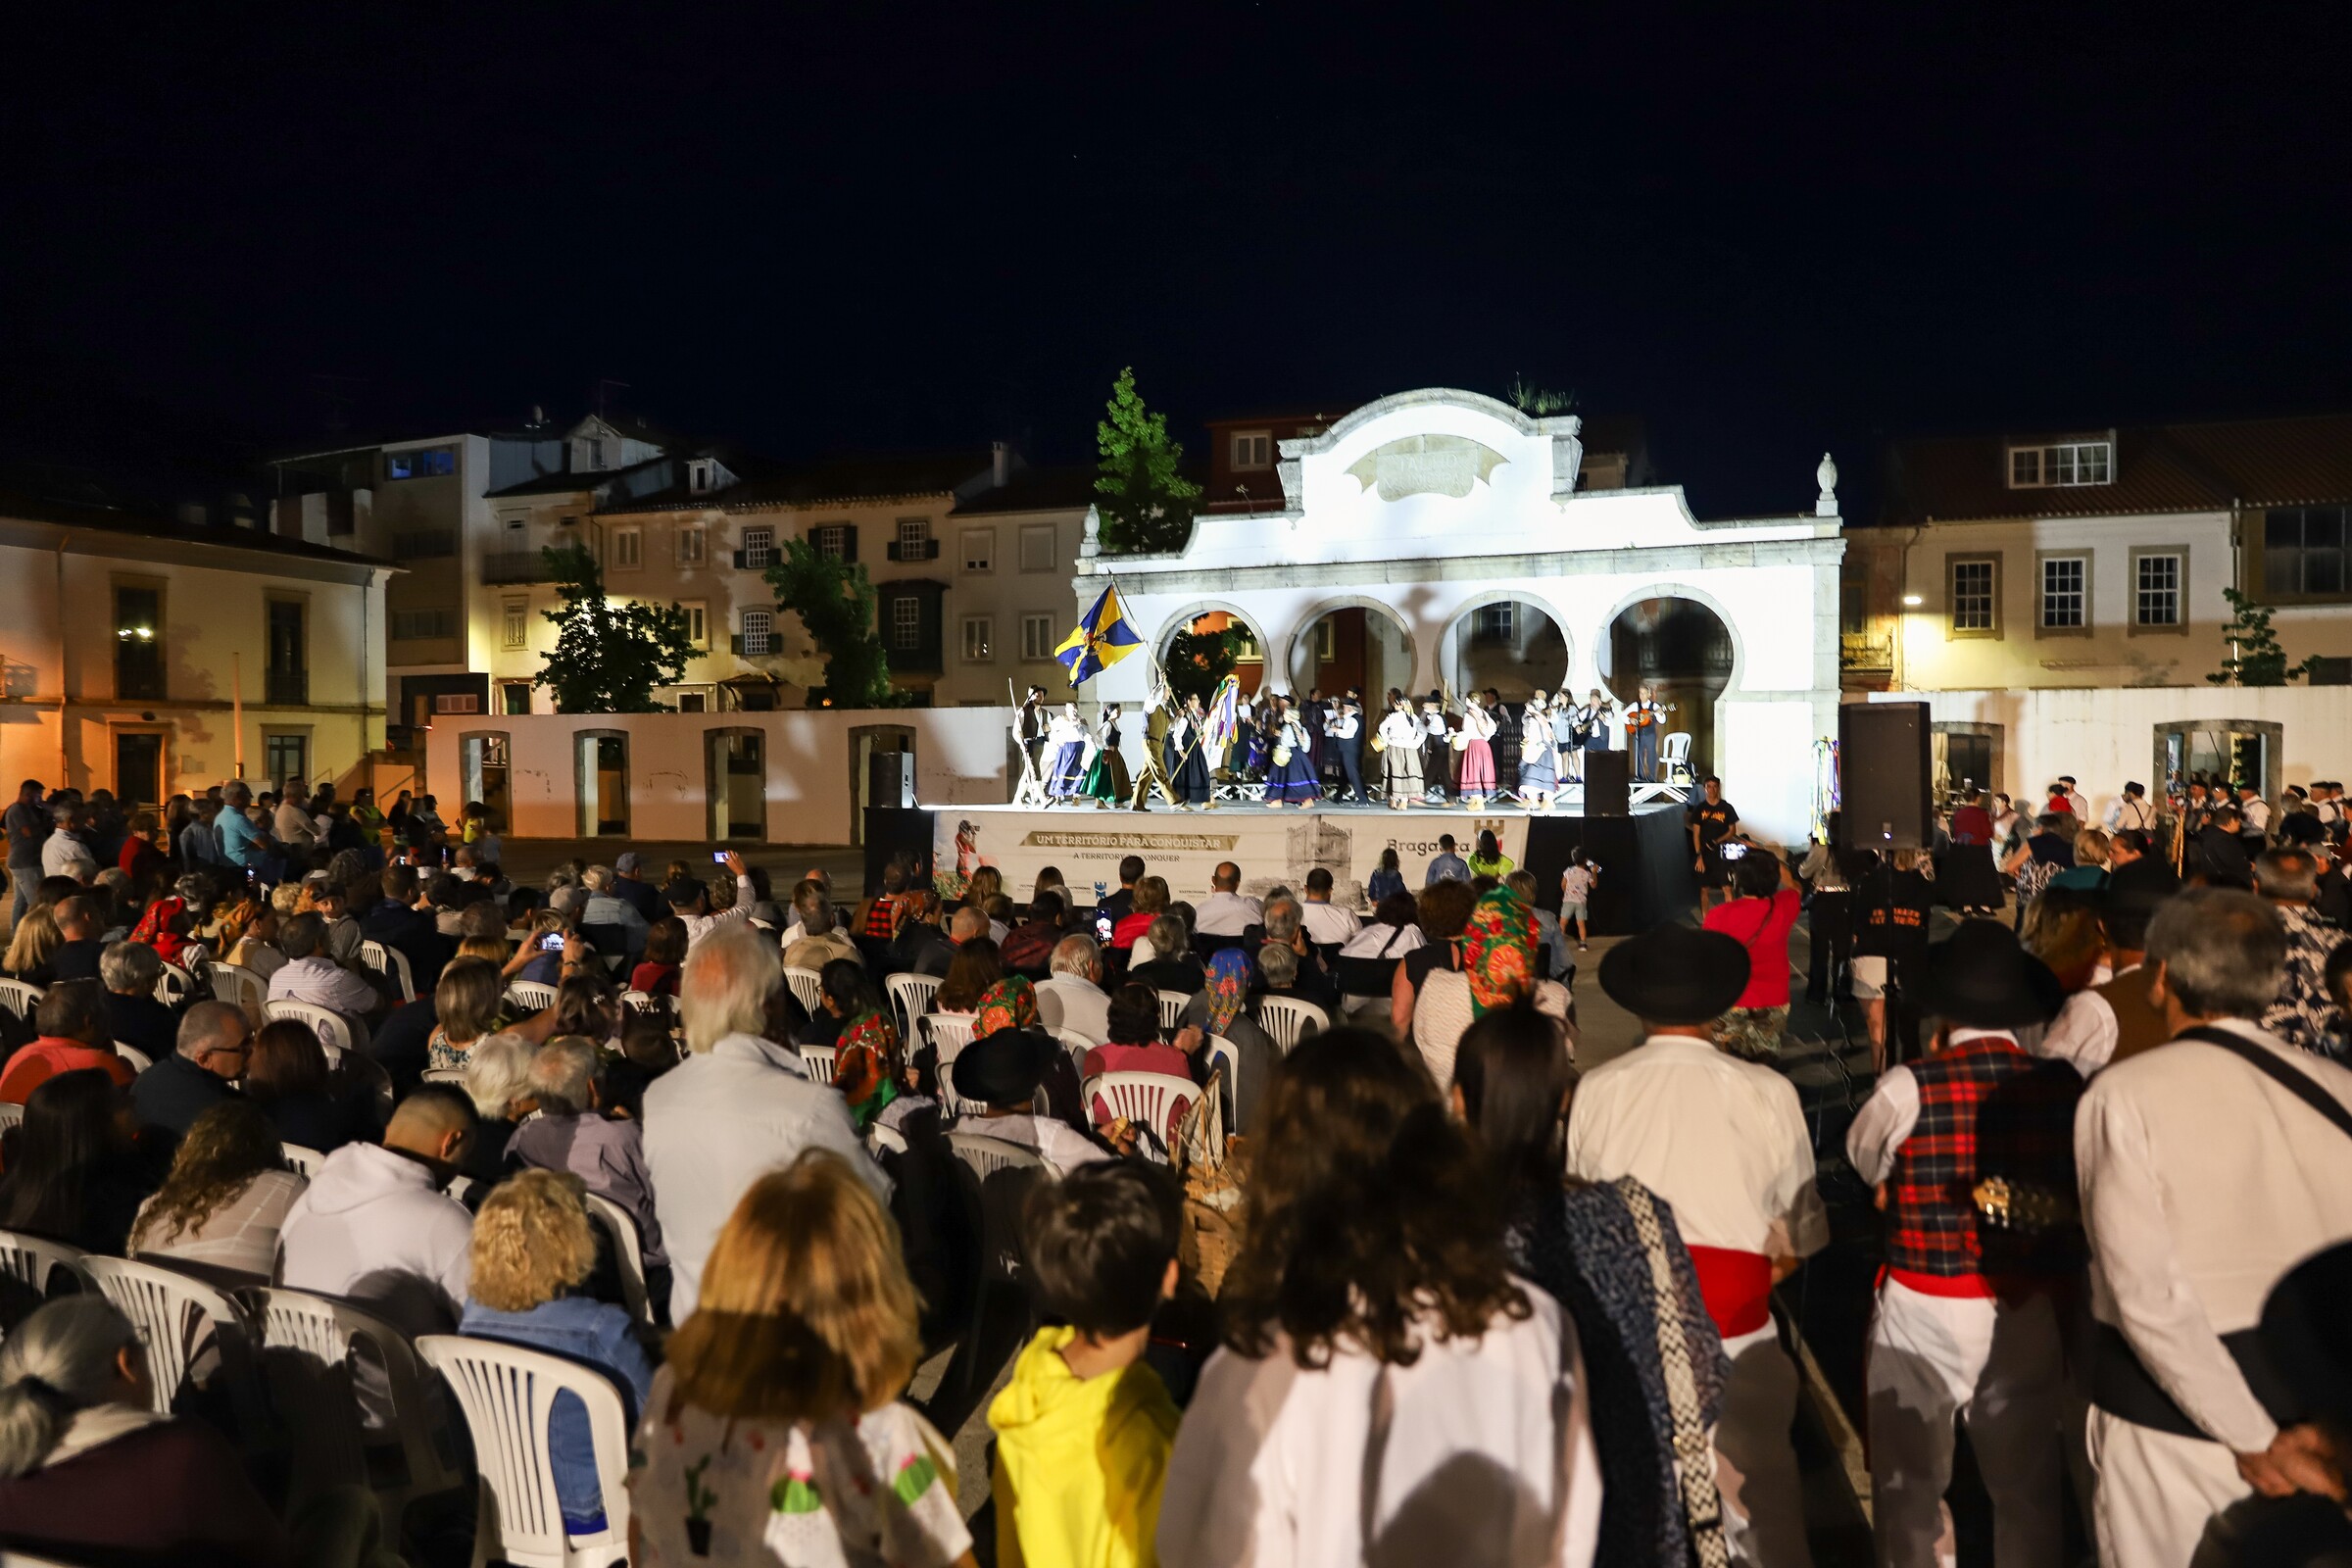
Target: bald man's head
<point>967,924</point>
<point>1226,878</point>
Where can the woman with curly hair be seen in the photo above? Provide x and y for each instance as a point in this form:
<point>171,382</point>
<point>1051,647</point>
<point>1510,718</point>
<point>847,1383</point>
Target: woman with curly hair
<point>532,1249</point>
<point>228,1195</point>
<point>1387,1391</point>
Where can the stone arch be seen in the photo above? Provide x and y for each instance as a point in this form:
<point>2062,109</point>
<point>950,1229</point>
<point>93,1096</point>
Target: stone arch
<point>1671,589</point>
<point>1465,607</point>
<point>1178,621</point>
<point>1313,613</point>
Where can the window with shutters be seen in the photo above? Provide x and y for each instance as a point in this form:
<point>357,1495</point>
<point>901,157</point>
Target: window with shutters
<point>907,623</point>
<point>759,547</point>
<point>517,622</point>
<point>758,626</point>
<point>698,623</point>
<point>1252,450</point>
<point>692,544</point>
<point>832,539</point>
<point>1038,641</point>
<point>628,552</point>
<point>1037,546</point>
<point>979,638</point>
<point>979,549</point>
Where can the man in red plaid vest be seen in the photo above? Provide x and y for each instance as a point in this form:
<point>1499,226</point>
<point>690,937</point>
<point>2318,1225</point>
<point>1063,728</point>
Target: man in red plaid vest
<point>1966,1327</point>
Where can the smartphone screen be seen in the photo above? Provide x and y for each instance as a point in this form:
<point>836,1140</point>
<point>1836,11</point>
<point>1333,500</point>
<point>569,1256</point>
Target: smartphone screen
<point>1101,928</point>
<point>553,942</point>
<point>718,857</point>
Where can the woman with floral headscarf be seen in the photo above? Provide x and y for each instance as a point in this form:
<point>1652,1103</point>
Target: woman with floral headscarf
<point>1222,1007</point>
<point>868,1063</point>
<point>1500,968</point>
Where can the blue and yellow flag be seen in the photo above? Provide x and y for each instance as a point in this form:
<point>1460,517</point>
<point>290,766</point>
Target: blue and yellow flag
<point>1103,637</point>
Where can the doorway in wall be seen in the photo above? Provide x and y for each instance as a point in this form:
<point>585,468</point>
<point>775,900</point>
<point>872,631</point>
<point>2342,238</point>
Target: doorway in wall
<point>138,767</point>
<point>483,775</point>
<point>737,784</point>
<point>1681,650</point>
<point>603,783</point>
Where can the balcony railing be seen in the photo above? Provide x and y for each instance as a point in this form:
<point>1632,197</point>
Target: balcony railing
<point>287,688</point>
<point>514,565</point>
<point>914,550</point>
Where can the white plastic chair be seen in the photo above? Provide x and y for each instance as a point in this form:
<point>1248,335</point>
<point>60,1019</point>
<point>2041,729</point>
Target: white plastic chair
<point>11,1115</point>
<point>305,1162</point>
<point>334,1035</point>
<point>392,962</point>
<point>911,995</point>
<point>1223,1052</point>
<point>507,1394</point>
<point>881,1139</point>
<point>1171,1010</point>
<point>949,1033</point>
<point>240,987</point>
<point>628,1251</point>
<point>988,1156</point>
<point>808,988</point>
<point>643,1001</point>
<point>20,997</point>
<point>170,1310</point>
<point>1287,1020</point>
<point>29,1260</point>
<point>531,995</point>
<point>173,984</point>
<point>139,1060</point>
<point>818,1061</point>
<point>1144,1098</point>
<point>1673,759</point>
<point>307,1343</point>
<point>1076,1044</point>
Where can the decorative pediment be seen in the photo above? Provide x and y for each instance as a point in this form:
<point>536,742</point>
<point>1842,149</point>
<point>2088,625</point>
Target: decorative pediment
<point>1426,465</point>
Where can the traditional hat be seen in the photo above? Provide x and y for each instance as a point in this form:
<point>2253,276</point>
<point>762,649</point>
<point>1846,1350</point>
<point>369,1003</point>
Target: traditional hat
<point>1676,974</point>
<point>1980,978</point>
<point>1003,1068</point>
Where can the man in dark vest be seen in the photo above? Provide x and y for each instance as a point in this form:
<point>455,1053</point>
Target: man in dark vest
<point>1966,1327</point>
<point>2116,1020</point>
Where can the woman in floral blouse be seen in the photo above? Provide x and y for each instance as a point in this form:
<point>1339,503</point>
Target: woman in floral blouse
<point>774,1435</point>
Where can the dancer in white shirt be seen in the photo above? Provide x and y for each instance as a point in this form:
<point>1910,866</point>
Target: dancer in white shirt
<point>1399,744</point>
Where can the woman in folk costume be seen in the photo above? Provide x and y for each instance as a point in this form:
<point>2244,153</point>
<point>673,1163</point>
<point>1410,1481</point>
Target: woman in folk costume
<point>1436,753</point>
<point>1291,778</point>
<point>1501,965</point>
<point>1566,744</point>
<point>1399,741</point>
<point>867,1064</point>
<point>1477,752</point>
<point>1065,737</point>
<point>1188,755</point>
<point>1107,782</point>
<point>1538,761</point>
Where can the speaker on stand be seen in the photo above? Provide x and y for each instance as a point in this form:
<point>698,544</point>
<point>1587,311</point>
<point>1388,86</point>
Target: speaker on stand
<point>889,779</point>
<point>1608,790</point>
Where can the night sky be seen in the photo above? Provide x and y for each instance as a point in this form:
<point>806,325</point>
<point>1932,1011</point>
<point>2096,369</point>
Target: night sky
<point>1767,230</point>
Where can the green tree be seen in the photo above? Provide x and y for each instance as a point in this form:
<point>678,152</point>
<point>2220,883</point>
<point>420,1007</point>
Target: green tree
<point>2256,658</point>
<point>1147,503</point>
<point>1198,660</point>
<point>609,656</point>
<point>835,601</point>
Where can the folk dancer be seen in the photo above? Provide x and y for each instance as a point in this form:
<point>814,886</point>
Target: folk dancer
<point>1159,720</point>
<point>1967,1325</point>
<point>1538,757</point>
<point>1436,753</point>
<point>1724,1143</point>
<point>1029,724</point>
<point>1343,739</point>
<point>1567,741</point>
<point>1065,735</point>
<point>1643,722</point>
<point>1504,744</point>
<point>1477,752</point>
<point>1186,752</point>
<point>1592,724</point>
<point>1106,783</point>
<point>1312,713</point>
<point>1290,776</point>
<point>1399,743</point>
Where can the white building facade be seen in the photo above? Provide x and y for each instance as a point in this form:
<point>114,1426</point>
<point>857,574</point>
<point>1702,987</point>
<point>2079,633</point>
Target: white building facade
<point>1426,507</point>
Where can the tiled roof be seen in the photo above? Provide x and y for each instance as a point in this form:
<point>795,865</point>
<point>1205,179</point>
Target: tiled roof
<point>1033,490</point>
<point>2158,468</point>
<point>833,481</point>
<point>107,517</point>
<point>567,482</point>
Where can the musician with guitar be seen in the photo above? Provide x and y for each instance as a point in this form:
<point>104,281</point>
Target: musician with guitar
<point>1968,1325</point>
<point>1643,721</point>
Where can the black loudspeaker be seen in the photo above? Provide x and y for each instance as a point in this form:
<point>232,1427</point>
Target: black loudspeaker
<point>1884,768</point>
<point>889,779</point>
<point>1606,790</point>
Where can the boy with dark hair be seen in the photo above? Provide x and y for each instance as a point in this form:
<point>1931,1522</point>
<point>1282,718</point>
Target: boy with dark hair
<point>1083,1429</point>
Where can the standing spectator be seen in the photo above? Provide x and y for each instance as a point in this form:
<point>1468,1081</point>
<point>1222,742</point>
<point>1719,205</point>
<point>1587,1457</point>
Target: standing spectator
<point>73,1173</point>
<point>2089,873</point>
<point>1552,949</point>
<point>1446,865</point>
<point>71,1020</point>
<point>375,1225</point>
<point>1969,879</point>
<point>1387,877</point>
<point>2130,810</point>
<point>2209,1168</point>
<point>1760,919</point>
<point>2217,854</point>
<point>1712,819</point>
<point>1724,1143</point>
<point>2304,1015</point>
<point>28,827</point>
<point>198,842</point>
<point>1085,1426</point>
<point>1576,895</point>
<point>532,1249</point>
<point>293,826</point>
<point>225,1199</point>
<point>63,852</point>
<point>201,1073</point>
<point>1966,1327</point>
<point>1487,858</point>
<point>2113,1021</point>
<point>245,847</point>
<point>777,1403</point>
<point>1377,1351</point>
<point>734,1108</point>
<point>628,884</point>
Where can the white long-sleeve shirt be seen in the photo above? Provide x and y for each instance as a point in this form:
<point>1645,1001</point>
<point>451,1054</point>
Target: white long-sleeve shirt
<point>1401,729</point>
<point>1477,722</point>
<point>2084,1033</point>
<point>2204,1183</point>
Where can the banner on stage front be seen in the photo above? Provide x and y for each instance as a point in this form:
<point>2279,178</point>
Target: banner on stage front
<point>1270,847</point>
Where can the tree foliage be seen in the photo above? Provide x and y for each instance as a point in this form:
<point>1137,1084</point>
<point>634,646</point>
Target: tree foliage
<point>1198,660</point>
<point>2256,658</point>
<point>835,601</point>
<point>609,656</point>
<point>1147,503</point>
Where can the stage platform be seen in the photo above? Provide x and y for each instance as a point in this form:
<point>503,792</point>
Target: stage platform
<point>1644,858</point>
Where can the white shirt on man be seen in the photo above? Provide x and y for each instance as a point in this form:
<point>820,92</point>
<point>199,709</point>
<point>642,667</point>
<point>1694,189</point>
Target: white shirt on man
<point>320,982</point>
<point>1327,923</point>
<point>1070,1002</point>
<point>63,854</point>
<point>1228,915</point>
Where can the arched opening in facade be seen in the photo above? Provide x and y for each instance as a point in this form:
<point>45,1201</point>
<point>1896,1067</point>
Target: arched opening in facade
<point>1187,642</point>
<point>1681,650</point>
<point>1509,646</point>
<point>1352,647</point>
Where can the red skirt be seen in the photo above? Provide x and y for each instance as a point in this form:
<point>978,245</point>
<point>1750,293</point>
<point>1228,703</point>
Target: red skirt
<point>1477,770</point>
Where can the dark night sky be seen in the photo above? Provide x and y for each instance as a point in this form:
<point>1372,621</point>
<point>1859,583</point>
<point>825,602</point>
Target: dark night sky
<point>1769,229</point>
